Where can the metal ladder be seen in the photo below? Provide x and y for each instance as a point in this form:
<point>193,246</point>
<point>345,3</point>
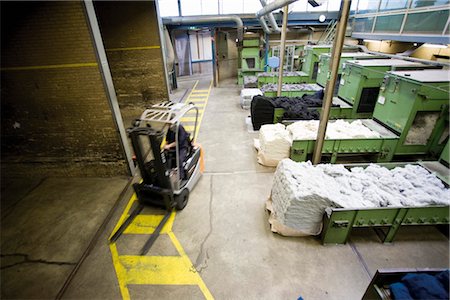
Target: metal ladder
<point>330,33</point>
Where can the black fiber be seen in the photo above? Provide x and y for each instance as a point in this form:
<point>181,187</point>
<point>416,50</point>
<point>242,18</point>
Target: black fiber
<point>295,108</point>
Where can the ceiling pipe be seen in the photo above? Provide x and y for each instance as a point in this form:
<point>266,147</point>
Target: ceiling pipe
<point>267,9</point>
<point>209,19</point>
<point>264,26</point>
<point>271,18</point>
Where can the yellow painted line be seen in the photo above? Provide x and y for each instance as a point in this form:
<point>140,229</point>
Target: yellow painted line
<point>168,270</point>
<point>187,262</point>
<point>132,48</point>
<point>203,91</point>
<point>187,119</point>
<point>200,117</point>
<point>121,273</point>
<point>44,67</point>
<point>146,224</point>
<point>189,128</point>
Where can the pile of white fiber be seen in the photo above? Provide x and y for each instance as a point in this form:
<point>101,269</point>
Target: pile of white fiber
<point>274,144</point>
<point>302,192</point>
<point>339,129</point>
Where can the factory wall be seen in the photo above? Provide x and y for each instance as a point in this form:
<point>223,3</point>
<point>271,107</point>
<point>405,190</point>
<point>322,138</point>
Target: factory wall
<point>55,115</point>
<point>390,47</point>
<point>130,34</point>
<point>432,53</point>
<point>227,54</point>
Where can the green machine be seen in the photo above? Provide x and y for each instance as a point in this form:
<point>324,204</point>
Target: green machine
<point>310,63</point>
<point>415,105</point>
<point>250,59</point>
<point>323,71</point>
<point>339,222</point>
<point>288,77</point>
<point>361,80</point>
<point>376,149</point>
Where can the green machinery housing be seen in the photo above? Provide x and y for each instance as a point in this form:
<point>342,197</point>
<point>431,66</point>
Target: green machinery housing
<point>288,77</point>
<point>324,71</point>
<point>361,80</point>
<point>339,222</point>
<point>415,105</point>
<point>411,116</point>
<point>250,60</point>
<point>310,63</point>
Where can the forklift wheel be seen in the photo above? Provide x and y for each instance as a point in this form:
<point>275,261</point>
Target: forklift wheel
<point>182,199</point>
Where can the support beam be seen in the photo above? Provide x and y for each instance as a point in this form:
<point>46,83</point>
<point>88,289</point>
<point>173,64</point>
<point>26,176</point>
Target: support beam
<point>282,50</point>
<point>335,59</point>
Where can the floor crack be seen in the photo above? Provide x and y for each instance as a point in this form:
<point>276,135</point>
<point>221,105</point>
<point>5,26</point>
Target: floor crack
<point>201,263</point>
<point>27,260</point>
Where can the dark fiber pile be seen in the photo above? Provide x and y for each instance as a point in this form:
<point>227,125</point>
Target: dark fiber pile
<point>295,108</point>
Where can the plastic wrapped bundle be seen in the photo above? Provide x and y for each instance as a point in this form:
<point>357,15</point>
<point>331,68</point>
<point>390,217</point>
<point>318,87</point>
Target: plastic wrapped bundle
<point>274,144</point>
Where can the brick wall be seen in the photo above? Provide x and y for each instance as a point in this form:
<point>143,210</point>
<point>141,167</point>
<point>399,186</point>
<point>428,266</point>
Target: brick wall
<point>55,117</point>
<point>138,74</point>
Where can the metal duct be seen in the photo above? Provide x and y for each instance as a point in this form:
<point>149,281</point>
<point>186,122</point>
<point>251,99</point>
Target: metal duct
<point>264,26</point>
<point>272,6</point>
<point>271,18</point>
<point>209,19</point>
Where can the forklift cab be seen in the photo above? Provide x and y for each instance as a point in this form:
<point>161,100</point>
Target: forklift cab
<point>168,175</point>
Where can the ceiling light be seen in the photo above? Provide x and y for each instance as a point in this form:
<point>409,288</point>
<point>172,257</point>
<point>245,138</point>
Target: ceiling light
<point>322,18</point>
<point>371,41</point>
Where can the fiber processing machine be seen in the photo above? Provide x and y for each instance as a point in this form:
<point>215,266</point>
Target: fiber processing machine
<point>411,117</point>
<point>323,72</point>
<point>361,80</point>
<point>339,222</point>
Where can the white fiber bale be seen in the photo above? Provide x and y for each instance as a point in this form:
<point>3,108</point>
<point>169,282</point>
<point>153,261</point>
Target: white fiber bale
<point>302,192</point>
<point>339,129</point>
<point>274,144</point>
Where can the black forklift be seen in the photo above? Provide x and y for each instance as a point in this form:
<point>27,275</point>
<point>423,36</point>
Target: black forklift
<point>168,175</point>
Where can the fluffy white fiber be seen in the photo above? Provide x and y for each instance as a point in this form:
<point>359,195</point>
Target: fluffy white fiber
<point>301,192</point>
<point>339,129</point>
<point>274,144</point>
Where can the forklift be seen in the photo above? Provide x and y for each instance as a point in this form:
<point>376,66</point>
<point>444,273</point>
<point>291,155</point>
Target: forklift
<point>168,176</point>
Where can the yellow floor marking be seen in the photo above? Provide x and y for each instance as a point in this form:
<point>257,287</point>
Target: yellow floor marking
<point>188,119</point>
<point>132,48</point>
<point>157,270</point>
<point>146,224</point>
<point>189,128</point>
<point>60,66</point>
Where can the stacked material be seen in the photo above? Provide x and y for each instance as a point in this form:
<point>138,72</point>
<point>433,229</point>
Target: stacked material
<point>339,129</point>
<point>273,87</point>
<point>250,82</point>
<point>247,96</point>
<point>285,74</point>
<point>301,192</point>
<point>274,144</point>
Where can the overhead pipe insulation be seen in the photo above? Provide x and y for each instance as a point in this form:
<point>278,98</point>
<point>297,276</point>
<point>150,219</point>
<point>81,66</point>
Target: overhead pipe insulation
<point>209,19</point>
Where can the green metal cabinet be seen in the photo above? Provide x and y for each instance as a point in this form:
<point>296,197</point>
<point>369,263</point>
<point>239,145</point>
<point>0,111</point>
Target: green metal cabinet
<point>272,77</point>
<point>361,80</point>
<point>414,104</point>
<point>323,72</point>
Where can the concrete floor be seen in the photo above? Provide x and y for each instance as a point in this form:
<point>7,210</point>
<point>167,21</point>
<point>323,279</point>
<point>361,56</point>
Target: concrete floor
<point>223,230</point>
